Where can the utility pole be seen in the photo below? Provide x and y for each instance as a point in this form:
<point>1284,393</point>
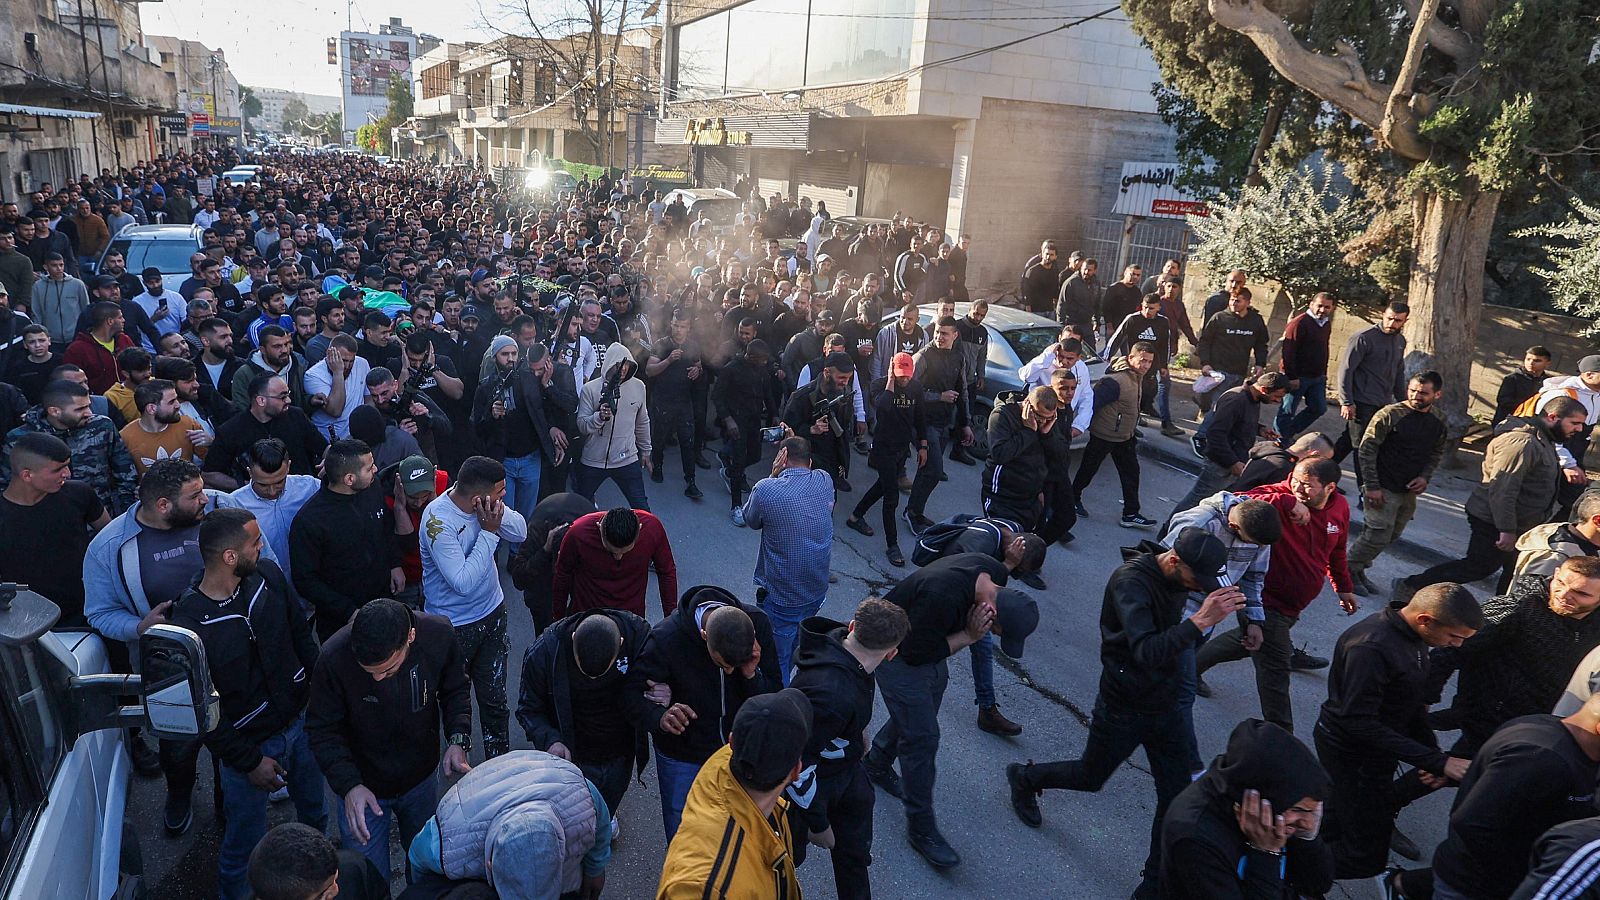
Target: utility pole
<point>105,78</point>
<point>88,84</point>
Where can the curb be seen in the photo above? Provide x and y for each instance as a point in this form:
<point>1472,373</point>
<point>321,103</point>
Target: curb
<point>1186,462</point>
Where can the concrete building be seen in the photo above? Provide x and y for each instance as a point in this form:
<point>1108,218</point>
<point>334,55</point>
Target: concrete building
<point>369,62</point>
<point>879,106</point>
<point>273,101</point>
<point>208,92</point>
<point>78,93</point>
<point>517,101</point>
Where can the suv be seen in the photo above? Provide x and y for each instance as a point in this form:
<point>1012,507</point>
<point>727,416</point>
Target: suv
<point>64,785</point>
<point>719,205</point>
<point>166,247</point>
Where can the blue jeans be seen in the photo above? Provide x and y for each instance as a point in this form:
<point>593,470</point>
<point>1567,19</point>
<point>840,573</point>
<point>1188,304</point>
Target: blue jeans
<point>983,671</point>
<point>413,809</point>
<point>246,807</point>
<point>674,777</point>
<point>1164,395</point>
<point>1288,423</point>
<point>785,621</point>
<point>522,485</point>
<point>1188,684</point>
<point>629,479</point>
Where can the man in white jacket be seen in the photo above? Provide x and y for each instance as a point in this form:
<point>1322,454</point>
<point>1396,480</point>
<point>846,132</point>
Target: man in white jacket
<point>1583,387</point>
<point>616,428</point>
<point>461,529</point>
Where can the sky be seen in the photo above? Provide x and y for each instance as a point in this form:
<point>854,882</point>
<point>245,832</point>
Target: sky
<point>283,44</point>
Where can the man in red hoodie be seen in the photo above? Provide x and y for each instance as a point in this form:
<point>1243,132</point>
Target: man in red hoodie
<point>1316,523</point>
<point>605,560</point>
<point>95,351</point>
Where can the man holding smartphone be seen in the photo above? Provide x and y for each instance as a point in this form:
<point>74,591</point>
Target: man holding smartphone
<point>167,309</point>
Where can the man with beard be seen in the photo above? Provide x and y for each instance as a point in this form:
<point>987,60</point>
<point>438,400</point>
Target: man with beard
<point>162,431</point>
<point>676,371</point>
<point>217,365</point>
<point>823,413</point>
<point>275,356</point>
<point>99,456</point>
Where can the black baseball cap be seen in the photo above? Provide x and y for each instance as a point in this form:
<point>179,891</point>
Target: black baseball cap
<point>149,273</point>
<point>1017,614</point>
<point>768,734</point>
<point>1205,556</point>
<point>838,361</point>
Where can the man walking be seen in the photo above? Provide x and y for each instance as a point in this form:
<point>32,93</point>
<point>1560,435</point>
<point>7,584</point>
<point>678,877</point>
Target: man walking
<point>1112,432</point>
<point>1019,455</point>
<point>1228,339</point>
<point>1146,323</point>
<point>616,427</point>
<point>1142,639</point>
<point>793,510</point>
<point>461,529</point>
<point>1230,431</point>
<point>1372,375</point>
<point>1304,362</point>
<point>1402,446</point>
<point>946,408</point>
<point>604,562</point>
<point>900,429</point>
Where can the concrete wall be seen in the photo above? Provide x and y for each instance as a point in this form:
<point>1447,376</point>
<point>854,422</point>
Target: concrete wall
<point>1503,334</point>
<point>1035,172</point>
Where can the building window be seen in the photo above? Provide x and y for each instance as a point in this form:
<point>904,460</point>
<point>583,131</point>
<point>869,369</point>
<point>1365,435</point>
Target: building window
<point>766,24</point>
<point>855,40</point>
<point>702,65</point>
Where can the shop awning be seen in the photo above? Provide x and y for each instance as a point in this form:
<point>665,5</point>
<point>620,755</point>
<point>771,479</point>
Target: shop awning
<point>46,111</point>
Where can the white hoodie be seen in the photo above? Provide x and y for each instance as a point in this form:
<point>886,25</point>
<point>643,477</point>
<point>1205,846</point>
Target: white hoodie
<point>621,440</point>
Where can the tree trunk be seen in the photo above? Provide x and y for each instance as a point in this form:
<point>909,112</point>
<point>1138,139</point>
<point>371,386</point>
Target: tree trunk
<point>1449,243</point>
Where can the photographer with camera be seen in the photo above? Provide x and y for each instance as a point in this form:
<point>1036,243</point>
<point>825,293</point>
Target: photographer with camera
<point>823,412</point>
<point>408,408</point>
<point>424,371</point>
<point>616,429</point>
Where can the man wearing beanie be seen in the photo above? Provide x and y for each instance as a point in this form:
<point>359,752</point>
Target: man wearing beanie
<point>735,839</point>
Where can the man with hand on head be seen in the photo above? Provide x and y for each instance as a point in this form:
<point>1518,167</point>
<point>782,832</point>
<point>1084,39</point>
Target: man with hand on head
<point>1143,635</point>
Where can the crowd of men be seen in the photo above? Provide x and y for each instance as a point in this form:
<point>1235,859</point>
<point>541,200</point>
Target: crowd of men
<point>311,451</point>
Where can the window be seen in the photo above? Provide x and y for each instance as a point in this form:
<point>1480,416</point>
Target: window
<point>766,24</point>
<point>171,257</point>
<point>1026,342</point>
<point>40,690</point>
<point>770,45</point>
<point>856,40</point>
<point>20,798</point>
<point>703,57</point>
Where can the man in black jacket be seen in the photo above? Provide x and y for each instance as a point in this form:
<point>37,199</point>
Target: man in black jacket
<point>1376,717</point>
<point>952,603</point>
<point>342,546</point>
<point>573,678</point>
<point>897,409</point>
<point>1229,431</point>
<point>1019,429</point>
<point>1228,339</point>
<point>832,797</point>
<point>261,653</point>
<point>947,407</point>
<point>823,412</point>
<point>1270,464</point>
<point>1142,639</point>
<point>384,689</point>
<point>713,653</point>
<point>742,396</point>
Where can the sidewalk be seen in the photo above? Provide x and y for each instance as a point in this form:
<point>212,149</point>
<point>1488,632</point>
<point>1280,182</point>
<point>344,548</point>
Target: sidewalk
<point>1437,532</point>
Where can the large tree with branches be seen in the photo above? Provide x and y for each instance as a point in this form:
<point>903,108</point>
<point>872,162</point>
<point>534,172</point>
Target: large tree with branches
<point>1440,111</point>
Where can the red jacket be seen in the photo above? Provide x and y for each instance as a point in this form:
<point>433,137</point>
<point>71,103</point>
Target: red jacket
<point>1306,554</point>
<point>410,549</point>
<point>87,354</point>
<point>587,576</point>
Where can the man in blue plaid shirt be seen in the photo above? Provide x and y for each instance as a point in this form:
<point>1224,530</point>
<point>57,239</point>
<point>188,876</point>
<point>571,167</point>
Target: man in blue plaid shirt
<point>794,511</point>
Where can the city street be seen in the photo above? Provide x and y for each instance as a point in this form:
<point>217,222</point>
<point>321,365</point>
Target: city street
<point>1090,845</point>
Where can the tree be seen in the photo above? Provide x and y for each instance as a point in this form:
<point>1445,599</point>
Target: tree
<point>1573,273</point>
<point>372,136</point>
<point>296,116</point>
<point>1438,112</point>
<point>574,55</point>
<point>1292,229</point>
<point>329,127</point>
<point>249,106</point>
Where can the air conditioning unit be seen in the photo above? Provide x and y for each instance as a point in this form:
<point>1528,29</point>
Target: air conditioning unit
<point>500,112</point>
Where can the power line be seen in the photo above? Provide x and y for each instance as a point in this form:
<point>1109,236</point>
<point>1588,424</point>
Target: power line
<point>912,17</point>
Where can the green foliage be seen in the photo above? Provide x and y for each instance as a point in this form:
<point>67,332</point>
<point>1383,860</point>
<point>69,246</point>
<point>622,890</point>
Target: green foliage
<point>296,116</point>
<point>373,136</point>
<point>1572,249</point>
<point>249,106</point>
<point>1292,230</point>
<point>1212,160</point>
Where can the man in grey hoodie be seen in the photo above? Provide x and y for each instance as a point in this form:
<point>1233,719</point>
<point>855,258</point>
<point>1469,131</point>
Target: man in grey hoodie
<point>616,425</point>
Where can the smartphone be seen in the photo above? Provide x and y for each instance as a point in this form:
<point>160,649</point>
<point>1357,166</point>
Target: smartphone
<point>772,435</point>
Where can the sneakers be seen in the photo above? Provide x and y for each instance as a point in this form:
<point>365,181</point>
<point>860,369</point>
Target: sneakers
<point>656,475</point>
<point>885,777</point>
<point>1363,585</point>
<point>1400,591</point>
<point>859,526</point>
<point>896,558</point>
<point>1198,445</point>
<point>616,829</point>
<point>1137,521</point>
<point>279,795</point>
<point>934,848</point>
<point>1024,798</point>
<point>904,484</point>
<point>862,447</point>
<point>701,461</point>
<point>1065,539</point>
<point>1201,689</point>
<point>727,478</point>
<point>179,813</point>
<point>960,455</point>
<point>918,522</point>
<point>692,490</point>
<point>1031,579</point>
<point>1077,507</point>
<point>1171,430</point>
<point>843,486</point>
<point>737,516</point>
<point>1301,661</point>
<point>990,719</point>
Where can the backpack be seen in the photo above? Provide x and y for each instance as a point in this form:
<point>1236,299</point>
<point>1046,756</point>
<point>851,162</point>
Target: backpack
<point>931,543</point>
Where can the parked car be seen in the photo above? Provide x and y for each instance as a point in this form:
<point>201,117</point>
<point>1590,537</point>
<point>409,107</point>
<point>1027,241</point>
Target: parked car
<point>1015,337</point>
<point>166,247</point>
<point>720,206</point>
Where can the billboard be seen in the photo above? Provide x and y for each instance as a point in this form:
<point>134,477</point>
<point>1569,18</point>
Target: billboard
<point>1150,189</point>
<point>374,63</point>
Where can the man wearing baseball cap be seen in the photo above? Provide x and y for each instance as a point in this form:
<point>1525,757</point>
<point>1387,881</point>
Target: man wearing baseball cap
<point>1142,639</point>
<point>735,839</point>
<point>897,410</point>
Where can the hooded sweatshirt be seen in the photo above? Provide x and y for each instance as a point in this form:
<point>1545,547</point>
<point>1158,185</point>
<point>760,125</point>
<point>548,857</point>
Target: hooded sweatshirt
<point>1143,633</point>
<point>1205,856</point>
<point>625,437</point>
<point>1305,554</point>
<point>841,695</point>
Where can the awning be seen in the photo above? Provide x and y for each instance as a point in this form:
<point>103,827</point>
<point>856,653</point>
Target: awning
<point>46,111</point>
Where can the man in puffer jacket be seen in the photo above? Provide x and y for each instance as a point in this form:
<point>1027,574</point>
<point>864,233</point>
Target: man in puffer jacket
<point>1015,472</point>
<point>616,426</point>
<point>1544,547</point>
<point>526,822</point>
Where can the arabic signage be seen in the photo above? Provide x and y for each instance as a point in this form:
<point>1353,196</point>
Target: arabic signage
<point>1150,189</point>
<point>227,126</point>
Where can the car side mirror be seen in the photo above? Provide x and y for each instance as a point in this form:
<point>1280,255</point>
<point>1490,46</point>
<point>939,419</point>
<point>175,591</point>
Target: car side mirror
<point>175,684</point>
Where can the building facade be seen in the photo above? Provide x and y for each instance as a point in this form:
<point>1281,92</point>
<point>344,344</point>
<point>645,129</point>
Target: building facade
<point>80,91</point>
<point>207,91</point>
<point>886,106</point>
<point>369,62</point>
<point>273,100</point>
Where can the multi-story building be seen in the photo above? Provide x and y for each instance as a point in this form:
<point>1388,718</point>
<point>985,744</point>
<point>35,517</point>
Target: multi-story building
<point>208,92</point>
<point>516,100</point>
<point>919,107</point>
<point>79,92</point>
<point>273,100</point>
<point>369,62</point>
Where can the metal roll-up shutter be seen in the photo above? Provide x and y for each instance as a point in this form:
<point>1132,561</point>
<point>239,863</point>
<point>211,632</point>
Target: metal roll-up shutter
<point>772,173</point>
<point>715,170</point>
<point>827,177</point>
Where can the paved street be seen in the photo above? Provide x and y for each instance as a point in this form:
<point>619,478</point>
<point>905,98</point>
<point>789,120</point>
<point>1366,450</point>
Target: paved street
<point>1090,845</point>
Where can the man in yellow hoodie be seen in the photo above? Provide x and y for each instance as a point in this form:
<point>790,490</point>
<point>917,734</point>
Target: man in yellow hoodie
<point>734,841</point>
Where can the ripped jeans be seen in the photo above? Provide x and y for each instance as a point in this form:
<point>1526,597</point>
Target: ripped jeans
<point>484,648</point>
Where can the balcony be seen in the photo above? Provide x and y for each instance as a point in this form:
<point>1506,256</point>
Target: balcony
<point>442,105</point>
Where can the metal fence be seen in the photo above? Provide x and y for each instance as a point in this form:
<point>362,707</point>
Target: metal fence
<point>1152,243</point>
